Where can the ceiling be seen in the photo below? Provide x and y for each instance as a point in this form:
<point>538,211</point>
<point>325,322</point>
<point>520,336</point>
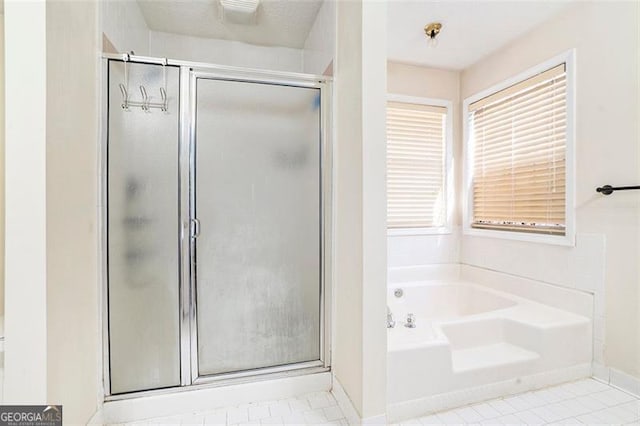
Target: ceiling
<point>279,22</point>
<point>470,29</point>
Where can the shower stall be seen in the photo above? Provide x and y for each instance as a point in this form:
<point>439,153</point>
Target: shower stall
<point>217,223</point>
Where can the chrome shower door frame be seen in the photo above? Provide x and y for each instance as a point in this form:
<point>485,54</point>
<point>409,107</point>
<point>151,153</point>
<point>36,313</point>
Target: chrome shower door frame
<point>102,220</point>
<point>188,73</point>
<point>281,79</point>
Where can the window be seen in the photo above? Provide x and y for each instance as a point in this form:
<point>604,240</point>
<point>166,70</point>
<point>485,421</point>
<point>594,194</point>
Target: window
<point>417,160</point>
<point>517,151</point>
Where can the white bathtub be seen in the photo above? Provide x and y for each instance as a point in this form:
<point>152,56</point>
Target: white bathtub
<point>444,300</point>
<point>469,337</point>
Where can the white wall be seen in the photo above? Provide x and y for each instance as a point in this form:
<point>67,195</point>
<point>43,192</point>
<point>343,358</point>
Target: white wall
<point>319,48</point>
<point>123,24</point>
<point>224,52</point>
<point>2,112</point>
<point>637,55</point>
<point>411,80</point>
<point>51,327</point>
<point>25,376</point>
<point>605,259</point>
<point>374,208</point>
<point>359,347</point>
<point>73,333</point>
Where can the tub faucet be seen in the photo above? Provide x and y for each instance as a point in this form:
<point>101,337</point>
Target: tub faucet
<point>411,321</point>
<point>390,321</point>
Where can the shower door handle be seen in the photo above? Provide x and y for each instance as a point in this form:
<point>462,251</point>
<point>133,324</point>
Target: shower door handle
<point>195,228</point>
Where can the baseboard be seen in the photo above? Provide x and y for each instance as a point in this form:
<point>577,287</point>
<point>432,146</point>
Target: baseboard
<point>206,399</point>
<point>601,372</point>
<point>617,378</point>
<point>423,406</point>
<point>375,420</point>
<point>97,418</point>
<point>344,402</point>
<point>349,411</point>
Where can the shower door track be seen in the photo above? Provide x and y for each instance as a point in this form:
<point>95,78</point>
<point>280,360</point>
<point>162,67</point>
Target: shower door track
<point>207,384</point>
<point>189,72</point>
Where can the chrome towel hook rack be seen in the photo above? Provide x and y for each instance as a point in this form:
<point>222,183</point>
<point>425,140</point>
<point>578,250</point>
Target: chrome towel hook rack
<point>146,104</point>
<point>608,189</point>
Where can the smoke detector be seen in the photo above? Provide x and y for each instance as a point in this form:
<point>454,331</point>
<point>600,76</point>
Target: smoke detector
<point>240,11</point>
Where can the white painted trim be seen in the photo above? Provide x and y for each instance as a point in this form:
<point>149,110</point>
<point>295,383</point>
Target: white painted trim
<point>449,183</point>
<point>349,411</point>
<point>189,401</point>
<point>424,406</point>
<point>97,418</point>
<point>558,240</point>
<point>375,420</point>
<point>101,107</point>
<point>568,239</point>
<point>624,381</point>
<point>445,103</point>
<point>618,379</point>
<point>600,372</point>
<point>403,232</point>
<point>344,402</point>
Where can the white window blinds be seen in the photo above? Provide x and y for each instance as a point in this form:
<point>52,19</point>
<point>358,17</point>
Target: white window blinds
<point>518,140</point>
<point>416,147</point>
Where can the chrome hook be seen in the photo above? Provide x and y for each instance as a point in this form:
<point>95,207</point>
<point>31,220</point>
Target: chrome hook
<point>145,98</point>
<point>125,97</point>
<point>163,95</point>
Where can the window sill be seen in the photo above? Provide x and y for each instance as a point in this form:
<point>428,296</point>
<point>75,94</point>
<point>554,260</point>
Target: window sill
<point>407,232</point>
<point>567,240</point>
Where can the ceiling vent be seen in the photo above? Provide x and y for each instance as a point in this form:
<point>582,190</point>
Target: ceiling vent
<point>240,11</point>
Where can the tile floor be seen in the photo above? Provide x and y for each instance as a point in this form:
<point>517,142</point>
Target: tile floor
<point>318,408</point>
<point>581,402</point>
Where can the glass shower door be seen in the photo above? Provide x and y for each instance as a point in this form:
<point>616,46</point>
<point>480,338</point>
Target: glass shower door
<point>257,200</point>
<point>143,232</point>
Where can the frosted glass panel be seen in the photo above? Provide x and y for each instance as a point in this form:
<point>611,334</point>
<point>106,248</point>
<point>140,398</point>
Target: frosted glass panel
<point>257,198</point>
<point>143,233</point>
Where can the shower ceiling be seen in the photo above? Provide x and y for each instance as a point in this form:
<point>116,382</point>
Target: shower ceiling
<point>279,22</point>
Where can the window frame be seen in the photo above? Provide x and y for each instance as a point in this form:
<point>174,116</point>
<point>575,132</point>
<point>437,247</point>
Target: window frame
<point>568,239</point>
<point>448,177</point>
